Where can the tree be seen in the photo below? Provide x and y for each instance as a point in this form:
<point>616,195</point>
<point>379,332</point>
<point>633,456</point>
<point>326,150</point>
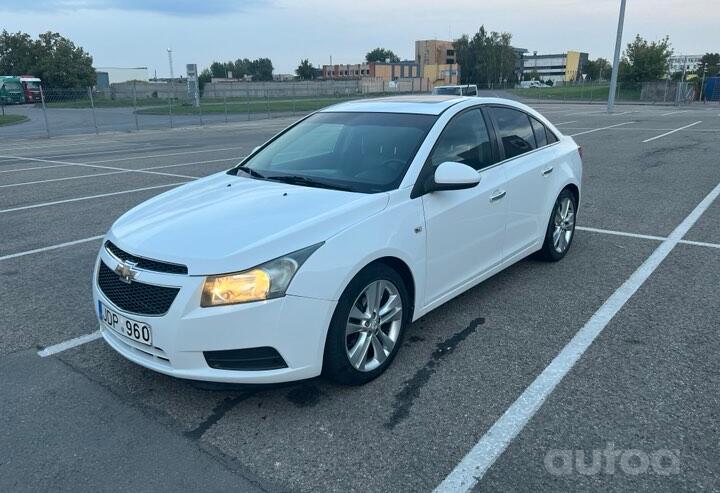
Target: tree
<point>533,75</point>
<point>305,70</point>
<point>53,58</point>
<point>711,62</point>
<point>381,55</point>
<point>598,69</point>
<point>259,69</point>
<point>204,77</point>
<point>487,58</point>
<point>643,61</point>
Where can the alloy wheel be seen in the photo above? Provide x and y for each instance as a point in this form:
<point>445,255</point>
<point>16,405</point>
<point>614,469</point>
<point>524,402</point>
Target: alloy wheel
<point>564,222</point>
<point>374,325</point>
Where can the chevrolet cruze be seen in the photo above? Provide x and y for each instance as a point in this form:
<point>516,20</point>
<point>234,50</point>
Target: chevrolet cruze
<point>317,251</point>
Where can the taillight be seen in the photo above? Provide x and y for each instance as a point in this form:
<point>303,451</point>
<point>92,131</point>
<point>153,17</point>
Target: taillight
<point>580,151</point>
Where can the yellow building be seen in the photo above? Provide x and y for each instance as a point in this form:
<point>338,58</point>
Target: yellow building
<point>437,61</point>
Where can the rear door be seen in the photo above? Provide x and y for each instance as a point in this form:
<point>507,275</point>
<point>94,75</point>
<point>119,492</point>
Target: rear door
<point>528,165</point>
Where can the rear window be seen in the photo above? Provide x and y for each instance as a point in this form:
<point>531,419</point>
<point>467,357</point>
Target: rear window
<point>451,91</point>
<point>540,132</point>
<point>514,131</point>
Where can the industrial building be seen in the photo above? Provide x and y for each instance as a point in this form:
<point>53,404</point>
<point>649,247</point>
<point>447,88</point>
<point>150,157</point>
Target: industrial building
<point>560,67</point>
<point>437,61</point>
<point>387,71</point>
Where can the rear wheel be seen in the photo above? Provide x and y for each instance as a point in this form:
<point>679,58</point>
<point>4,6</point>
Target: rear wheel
<point>367,326</point>
<point>561,228</point>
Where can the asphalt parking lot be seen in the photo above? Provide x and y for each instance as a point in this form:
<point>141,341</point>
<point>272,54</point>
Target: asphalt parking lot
<point>501,389</point>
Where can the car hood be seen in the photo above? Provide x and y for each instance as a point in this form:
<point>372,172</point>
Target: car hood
<point>226,223</point>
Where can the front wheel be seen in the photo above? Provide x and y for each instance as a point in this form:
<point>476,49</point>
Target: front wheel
<point>561,228</point>
<point>367,327</point>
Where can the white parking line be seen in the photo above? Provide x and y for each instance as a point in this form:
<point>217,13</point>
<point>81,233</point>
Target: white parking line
<point>89,197</point>
<point>64,346</point>
<point>620,233</point>
<point>494,442</point>
<point>67,163</point>
<point>671,132</point>
<point>49,248</point>
<point>601,128</point>
<point>565,123</point>
<point>646,237</point>
<point>120,171</point>
<point>674,113</point>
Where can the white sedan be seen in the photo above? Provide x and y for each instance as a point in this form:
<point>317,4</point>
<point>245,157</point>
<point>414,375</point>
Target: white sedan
<point>318,250</point>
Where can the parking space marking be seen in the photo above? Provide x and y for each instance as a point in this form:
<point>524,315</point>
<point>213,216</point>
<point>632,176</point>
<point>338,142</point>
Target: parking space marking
<point>674,113</point>
<point>51,247</point>
<point>493,443</point>
<point>620,233</point>
<point>69,344</point>
<point>671,132</point>
<point>565,123</point>
<point>119,171</point>
<point>45,144</point>
<point>645,237</point>
<point>68,163</point>
<point>36,167</point>
<point>89,197</point>
<point>601,128</point>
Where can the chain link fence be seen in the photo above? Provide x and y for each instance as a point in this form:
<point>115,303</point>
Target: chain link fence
<point>653,92</point>
<point>136,106</point>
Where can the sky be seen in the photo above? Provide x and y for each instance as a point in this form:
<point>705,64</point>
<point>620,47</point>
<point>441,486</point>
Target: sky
<point>134,33</point>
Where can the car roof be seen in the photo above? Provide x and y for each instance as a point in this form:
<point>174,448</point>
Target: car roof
<point>420,104</point>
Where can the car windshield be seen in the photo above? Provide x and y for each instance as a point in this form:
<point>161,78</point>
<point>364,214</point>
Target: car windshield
<point>453,91</point>
<point>360,152</point>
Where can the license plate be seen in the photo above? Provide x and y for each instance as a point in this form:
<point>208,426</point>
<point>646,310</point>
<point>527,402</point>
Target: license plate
<point>132,329</point>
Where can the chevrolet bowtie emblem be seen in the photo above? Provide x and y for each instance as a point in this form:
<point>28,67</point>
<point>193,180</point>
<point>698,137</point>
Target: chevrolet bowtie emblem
<point>125,271</point>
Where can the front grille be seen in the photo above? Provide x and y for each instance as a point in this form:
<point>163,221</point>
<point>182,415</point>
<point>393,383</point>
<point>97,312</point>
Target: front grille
<point>145,263</point>
<point>251,359</point>
<point>136,297</point>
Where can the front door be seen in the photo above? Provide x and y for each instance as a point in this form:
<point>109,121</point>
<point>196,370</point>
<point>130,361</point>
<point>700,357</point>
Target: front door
<point>465,228</point>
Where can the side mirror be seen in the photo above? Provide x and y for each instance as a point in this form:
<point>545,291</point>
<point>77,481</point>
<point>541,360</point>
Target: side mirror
<point>453,176</point>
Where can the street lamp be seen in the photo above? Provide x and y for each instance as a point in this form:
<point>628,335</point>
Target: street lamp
<point>616,58</point>
<point>702,84</point>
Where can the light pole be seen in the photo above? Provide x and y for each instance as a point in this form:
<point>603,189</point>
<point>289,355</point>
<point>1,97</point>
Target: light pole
<point>702,84</point>
<point>616,58</point>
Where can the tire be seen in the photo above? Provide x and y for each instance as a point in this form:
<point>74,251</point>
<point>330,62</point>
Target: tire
<point>561,222</point>
<point>357,348</point>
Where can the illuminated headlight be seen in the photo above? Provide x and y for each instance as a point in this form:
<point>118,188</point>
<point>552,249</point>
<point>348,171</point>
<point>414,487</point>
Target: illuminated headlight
<point>269,280</point>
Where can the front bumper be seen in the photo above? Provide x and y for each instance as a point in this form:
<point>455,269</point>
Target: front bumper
<point>295,326</point>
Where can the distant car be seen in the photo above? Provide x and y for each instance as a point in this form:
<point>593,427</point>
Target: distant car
<point>458,90</point>
<point>527,84</point>
<point>316,252</point>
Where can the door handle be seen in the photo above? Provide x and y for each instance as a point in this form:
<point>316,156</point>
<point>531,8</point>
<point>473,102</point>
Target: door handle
<point>547,171</point>
<point>497,195</point>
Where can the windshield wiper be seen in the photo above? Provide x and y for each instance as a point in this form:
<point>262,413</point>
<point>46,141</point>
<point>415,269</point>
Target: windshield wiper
<point>305,181</point>
<point>249,171</point>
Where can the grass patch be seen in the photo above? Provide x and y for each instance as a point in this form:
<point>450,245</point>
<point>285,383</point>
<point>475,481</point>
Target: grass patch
<point>12,119</point>
<point>589,92</point>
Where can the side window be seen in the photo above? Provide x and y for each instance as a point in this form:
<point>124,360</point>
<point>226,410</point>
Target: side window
<point>551,137</point>
<point>514,131</point>
<point>464,140</point>
<point>540,135</point>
